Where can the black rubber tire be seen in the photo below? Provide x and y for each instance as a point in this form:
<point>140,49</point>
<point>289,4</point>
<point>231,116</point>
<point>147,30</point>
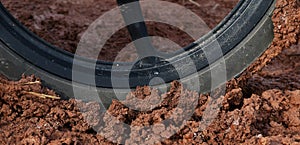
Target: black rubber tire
<point>246,30</point>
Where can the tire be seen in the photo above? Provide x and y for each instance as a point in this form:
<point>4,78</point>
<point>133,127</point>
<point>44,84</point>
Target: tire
<point>245,33</point>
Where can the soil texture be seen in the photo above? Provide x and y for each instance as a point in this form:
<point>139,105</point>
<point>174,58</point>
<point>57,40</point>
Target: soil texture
<point>262,106</point>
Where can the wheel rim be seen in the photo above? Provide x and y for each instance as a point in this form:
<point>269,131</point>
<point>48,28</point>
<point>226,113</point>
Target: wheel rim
<point>59,63</point>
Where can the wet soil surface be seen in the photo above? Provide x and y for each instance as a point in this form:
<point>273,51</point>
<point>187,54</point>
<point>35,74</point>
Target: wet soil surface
<point>63,22</point>
<point>262,106</point>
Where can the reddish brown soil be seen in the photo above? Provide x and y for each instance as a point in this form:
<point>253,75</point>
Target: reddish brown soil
<point>62,22</point>
<point>260,107</point>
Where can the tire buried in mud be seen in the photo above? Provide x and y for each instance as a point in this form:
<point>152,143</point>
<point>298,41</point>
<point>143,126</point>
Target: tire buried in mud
<point>22,52</point>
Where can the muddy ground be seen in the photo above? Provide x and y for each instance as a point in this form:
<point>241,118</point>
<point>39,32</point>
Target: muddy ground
<point>262,106</point>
